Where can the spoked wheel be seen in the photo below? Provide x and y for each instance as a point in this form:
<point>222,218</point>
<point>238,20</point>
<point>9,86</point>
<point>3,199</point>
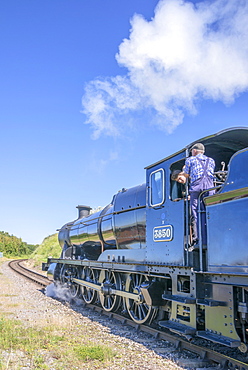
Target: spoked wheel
<point>109,280</point>
<point>89,295</point>
<point>139,311</point>
<point>66,274</point>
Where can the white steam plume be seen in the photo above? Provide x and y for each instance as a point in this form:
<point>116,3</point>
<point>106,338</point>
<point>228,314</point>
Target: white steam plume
<point>187,52</point>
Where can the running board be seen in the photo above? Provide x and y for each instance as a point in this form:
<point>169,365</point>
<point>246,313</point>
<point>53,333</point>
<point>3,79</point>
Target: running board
<point>180,299</point>
<point>225,341</point>
<point>178,328</point>
<point>210,303</point>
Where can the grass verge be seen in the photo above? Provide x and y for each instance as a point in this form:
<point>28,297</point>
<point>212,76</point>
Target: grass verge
<point>53,346</point>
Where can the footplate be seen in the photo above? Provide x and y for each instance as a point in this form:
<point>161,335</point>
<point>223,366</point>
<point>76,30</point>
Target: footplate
<point>178,328</point>
<point>225,341</point>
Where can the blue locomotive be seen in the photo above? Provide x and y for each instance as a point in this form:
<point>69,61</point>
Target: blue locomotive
<point>133,254</point>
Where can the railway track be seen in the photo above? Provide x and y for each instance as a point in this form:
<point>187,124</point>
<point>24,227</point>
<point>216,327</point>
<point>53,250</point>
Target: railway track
<point>17,266</point>
<point>206,356</point>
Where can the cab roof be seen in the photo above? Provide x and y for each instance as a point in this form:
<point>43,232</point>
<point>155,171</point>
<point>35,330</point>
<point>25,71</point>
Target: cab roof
<point>220,146</point>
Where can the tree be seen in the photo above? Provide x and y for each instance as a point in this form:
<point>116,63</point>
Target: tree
<point>11,246</point>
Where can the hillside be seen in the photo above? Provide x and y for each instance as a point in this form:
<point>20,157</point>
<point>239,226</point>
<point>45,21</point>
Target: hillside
<point>49,247</point>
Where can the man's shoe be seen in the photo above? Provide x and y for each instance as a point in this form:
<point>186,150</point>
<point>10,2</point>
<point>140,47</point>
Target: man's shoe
<point>194,246</point>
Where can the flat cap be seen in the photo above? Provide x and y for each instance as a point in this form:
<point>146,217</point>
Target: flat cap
<point>198,146</point>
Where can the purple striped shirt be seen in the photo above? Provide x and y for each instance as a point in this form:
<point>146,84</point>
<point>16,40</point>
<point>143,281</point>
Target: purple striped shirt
<point>194,169</point>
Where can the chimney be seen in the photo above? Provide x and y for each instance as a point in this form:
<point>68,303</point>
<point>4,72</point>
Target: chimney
<point>83,211</point>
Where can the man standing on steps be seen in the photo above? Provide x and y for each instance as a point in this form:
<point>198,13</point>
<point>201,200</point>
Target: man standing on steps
<point>200,170</point>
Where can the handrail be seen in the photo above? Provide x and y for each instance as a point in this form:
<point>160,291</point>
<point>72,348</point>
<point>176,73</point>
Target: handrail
<point>87,222</point>
<point>199,216</point>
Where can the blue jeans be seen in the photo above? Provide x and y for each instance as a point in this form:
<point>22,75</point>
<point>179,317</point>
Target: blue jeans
<point>196,188</point>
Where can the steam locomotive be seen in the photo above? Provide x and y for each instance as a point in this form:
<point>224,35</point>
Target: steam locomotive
<point>133,255</point>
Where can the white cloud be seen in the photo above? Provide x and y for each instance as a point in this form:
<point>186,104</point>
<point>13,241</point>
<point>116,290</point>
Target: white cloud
<point>187,52</point>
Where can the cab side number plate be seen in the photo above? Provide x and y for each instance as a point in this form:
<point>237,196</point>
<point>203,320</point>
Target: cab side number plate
<point>163,233</point>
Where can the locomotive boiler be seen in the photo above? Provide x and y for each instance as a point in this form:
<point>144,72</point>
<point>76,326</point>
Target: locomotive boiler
<point>121,225</point>
<point>133,255</point>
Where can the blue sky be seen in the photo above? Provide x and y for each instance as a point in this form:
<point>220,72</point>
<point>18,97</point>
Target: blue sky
<point>94,91</point>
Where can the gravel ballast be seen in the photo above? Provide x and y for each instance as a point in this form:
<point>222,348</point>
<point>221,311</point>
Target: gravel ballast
<point>24,301</point>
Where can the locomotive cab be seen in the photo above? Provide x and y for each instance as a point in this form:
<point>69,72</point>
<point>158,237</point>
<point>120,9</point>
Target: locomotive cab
<point>168,211</point>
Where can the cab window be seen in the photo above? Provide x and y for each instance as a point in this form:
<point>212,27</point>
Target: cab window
<point>177,190</point>
<point>157,195</point>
